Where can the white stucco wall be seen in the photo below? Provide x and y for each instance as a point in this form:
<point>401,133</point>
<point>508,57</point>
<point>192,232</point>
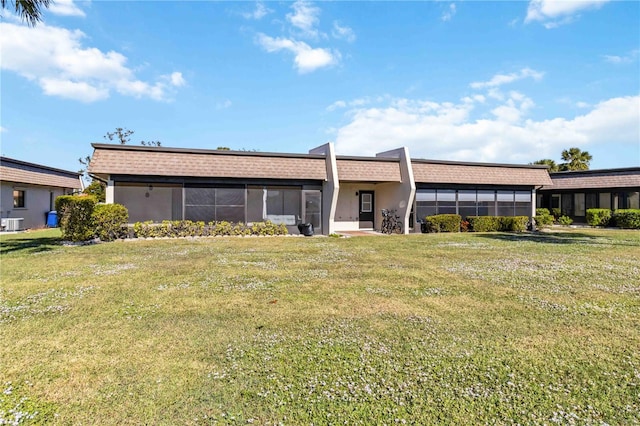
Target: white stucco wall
<point>38,202</point>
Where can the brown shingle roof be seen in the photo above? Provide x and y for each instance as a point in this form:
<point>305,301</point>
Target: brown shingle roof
<point>368,170</point>
<point>429,171</point>
<point>34,174</point>
<point>595,179</point>
<point>153,161</point>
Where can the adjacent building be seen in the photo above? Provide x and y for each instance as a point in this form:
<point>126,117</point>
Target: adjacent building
<point>334,193</point>
<point>28,192</point>
<point>576,191</point>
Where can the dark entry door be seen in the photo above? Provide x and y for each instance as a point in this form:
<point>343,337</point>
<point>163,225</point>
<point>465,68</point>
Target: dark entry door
<point>366,209</point>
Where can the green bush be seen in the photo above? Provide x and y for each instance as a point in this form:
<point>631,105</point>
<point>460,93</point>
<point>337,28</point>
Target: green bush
<point>627,218</point>
<point>542,212</point>
<point>110,221</point>
<point>443,223</point>
<point>565,220</point>
<point>498,223</point>
<point>75,214</point>
<point>484,223</point>
<point>514,223</point>
<point>598,217</point>
<point>187,228</point>
<point>556,212</point>
<point>544,220</point>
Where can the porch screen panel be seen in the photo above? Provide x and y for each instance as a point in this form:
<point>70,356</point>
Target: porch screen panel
<point>284,205</point>
<point>591,201</point>
<point>505,203</point>
<point>425,203</point>
<point>446,201</point>
<point>256,209</point>
<point>633,200</point>
<point>486,203</point>
<point>214,204</point>
<point>467,203</point>
<point>579,206</point>
<point>523,203</point>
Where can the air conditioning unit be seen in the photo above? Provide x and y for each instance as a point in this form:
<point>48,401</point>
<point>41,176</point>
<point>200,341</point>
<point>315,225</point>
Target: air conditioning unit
<point>12,223</point>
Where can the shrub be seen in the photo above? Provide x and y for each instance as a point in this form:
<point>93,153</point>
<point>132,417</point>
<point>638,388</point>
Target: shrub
<point>598,217</point>
<point>187,228</point>
<point>565,220</point>
<point>627,218</point>
<point>75,217</point>
<point>544,220</point>
<point>542,212</point>
<point>514,223</point>
<point>464,226</point>
<point>484,223</point>
<point>110,221</point>
<point>443,223</point>
<point>556,212</point>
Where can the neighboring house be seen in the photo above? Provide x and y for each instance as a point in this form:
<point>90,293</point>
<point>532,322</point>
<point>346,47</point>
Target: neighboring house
<point>576,191</point>
<point>334,193</point>
<point>28,191</point>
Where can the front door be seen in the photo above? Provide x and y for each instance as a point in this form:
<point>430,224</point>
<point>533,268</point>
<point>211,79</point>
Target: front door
<point>366,214</point>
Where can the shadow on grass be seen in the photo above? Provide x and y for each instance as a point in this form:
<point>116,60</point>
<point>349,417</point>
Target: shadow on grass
<point>28,245</point>
<point>551,238</point>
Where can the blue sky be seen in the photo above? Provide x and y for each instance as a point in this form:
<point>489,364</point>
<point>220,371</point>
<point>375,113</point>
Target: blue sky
<point>508,82</point>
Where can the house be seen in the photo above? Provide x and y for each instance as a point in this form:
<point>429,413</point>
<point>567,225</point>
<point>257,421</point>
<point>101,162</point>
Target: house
<point>334,193</point>
<point>28,192</point>
<point>576,191</point>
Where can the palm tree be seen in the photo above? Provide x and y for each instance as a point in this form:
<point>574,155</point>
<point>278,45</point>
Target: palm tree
<point>575,159</point>
<point>553,167</point>
<point>28,10</point>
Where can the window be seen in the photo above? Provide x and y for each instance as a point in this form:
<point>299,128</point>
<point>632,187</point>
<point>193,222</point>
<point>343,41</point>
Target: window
<point>633,200</point>
<point>605,200</point>
<point>367,202</point>
<point>523,203</point>
<point>446,201</point>
<point>467,203</point>
<point>486,203</point>
<point>18,199</point>
<point>214,204</point>
<point>425,203</point>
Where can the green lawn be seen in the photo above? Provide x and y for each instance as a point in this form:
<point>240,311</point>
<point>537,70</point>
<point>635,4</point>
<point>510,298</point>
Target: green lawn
<point>422,329</point>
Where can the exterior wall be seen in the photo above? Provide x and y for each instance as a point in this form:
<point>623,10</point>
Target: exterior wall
<point>347,217</point>
<point>38,202</point>
<point>400,196</point>
<point>330,188</point>
<point>145,204</point>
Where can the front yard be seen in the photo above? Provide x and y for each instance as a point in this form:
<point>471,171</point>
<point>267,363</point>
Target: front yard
<point>422,329</point>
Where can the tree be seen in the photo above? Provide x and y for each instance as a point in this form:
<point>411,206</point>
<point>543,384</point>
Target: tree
<point>97,189</point>
<point>122,135</point>
<point>575,159</point>
<point>29,10</point>
<point>553,167</point>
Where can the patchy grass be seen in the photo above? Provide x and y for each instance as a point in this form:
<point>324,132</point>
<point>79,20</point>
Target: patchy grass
<point>465,328</point>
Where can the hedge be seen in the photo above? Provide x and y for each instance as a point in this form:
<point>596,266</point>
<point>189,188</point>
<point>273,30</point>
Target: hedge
<point>598,217</point>
<point>498,223</point>
<point>627,218</point>
<point>187,228</point>
<point>443,223</point>
<point>110,221</point>
<point>544,220</point>
<point>75,216</point>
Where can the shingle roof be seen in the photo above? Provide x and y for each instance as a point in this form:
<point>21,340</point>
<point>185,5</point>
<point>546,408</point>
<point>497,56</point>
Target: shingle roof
<point>368,170</point>
<point>594,179</point>
<point>153,161</point>
<point>35,174</point>
<point>430,171</point>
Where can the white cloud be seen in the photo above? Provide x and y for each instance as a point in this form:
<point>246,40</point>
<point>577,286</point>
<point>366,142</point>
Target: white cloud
<point>627,59</point>
<point>337,105</point>
<point>553,13</point>
<point>258,13</point>
<point>443,130</point>
<point>65,8</point>
<point>306,58</point>
<point>344,33</point>
<point>224,104</point>
<point>500,79</point>
<point>56,60</point>
<point>305,18</point>
<point>449,13</point>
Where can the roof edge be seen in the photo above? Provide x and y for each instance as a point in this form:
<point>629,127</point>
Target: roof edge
<point>119,147</point>
<point>478,164</point>
<point>40,166</point>
<point>569,173</point>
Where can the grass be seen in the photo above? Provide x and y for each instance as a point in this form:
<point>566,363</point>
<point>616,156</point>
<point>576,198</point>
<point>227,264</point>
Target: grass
<point>420,329</point>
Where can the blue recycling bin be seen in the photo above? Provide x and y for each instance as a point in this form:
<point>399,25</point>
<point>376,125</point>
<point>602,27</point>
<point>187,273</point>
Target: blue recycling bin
<point>52,219</point>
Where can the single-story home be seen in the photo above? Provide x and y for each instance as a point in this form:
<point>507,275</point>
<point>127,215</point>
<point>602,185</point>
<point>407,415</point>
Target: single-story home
<point>332,192</point>
<point>576,191</point>
<point>28,192</point>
